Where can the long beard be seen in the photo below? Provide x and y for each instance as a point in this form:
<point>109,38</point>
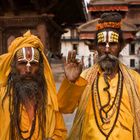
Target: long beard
<point>26,89</point>
<point>108,63</point>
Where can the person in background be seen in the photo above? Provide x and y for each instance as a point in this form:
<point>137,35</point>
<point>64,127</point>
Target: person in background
<point>107,95</point>
<point>28,101</point>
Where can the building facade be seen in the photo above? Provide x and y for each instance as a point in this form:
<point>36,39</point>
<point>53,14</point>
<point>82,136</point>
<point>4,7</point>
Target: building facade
<point>45,18</point>
<point>70,41</point>
<point>130,11</point>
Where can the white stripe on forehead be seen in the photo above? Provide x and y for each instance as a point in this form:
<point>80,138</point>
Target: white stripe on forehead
<point>102,36</point>
<point>109,36</point>
<point>105,36</point>
<point>113,36</point>
<point>33,53</point>
<point>24,53</point>
<point>28,54</point>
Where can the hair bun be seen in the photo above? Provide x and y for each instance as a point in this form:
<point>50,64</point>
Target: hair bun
<point>110,17</point>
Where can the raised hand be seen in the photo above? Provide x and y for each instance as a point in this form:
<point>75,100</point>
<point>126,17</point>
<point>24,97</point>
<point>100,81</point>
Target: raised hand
<point>73,67</point>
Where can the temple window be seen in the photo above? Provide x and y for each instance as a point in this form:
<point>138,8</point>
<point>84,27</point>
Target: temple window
<point>132,62</point>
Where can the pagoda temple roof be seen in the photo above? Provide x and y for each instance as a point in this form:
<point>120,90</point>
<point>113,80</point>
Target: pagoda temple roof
<point>88,30</point>
<point>112,2</point>
<point>96,2</point>
<point>109,5</point>
<point>90,26</point>
<point>63,12</point>
<point>133,1</point>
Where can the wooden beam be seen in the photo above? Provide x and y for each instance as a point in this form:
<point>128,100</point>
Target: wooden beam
<point>13,7</point>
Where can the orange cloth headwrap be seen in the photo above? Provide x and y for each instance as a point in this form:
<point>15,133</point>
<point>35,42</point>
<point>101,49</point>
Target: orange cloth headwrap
<point>28,40</point>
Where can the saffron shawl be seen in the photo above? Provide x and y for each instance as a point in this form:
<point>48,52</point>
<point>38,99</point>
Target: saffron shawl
<point>29,40</point>
<point>133,93</point>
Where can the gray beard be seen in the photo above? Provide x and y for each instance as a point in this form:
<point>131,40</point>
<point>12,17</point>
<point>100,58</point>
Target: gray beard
<point>108,63</point>
<point>26,89</point>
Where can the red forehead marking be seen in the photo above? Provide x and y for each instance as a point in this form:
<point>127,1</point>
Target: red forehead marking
<point>28,52</point>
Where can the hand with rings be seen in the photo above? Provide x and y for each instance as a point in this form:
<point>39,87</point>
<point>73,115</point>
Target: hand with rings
<point>73,67</point>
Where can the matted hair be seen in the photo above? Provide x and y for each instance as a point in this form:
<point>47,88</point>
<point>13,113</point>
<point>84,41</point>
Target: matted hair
<point>14,104</point>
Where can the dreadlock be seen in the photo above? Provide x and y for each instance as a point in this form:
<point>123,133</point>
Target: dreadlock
<point>15,104</point>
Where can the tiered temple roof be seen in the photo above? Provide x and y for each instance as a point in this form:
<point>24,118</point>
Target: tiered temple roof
<point>46,18</point>
<point>129,9</point>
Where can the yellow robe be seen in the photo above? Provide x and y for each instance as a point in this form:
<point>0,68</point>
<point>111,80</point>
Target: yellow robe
<point>55,128</point>
<point>70,94</point>
<point>55,123</point>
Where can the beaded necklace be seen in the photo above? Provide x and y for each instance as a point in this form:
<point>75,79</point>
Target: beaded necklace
<point>99,110</point>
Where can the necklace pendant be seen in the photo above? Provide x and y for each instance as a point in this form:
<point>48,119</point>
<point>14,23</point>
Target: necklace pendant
<point>106,120</point>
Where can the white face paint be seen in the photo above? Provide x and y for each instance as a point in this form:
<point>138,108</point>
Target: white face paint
<point>113,37</point>
<point>107,37</point>
<point>28,55</point>
<point>102,37</point>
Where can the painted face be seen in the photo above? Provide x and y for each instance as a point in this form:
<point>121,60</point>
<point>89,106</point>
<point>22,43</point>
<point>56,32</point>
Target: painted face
<point>27,61</point>
<point>108,42</point>
<point>108,36</point>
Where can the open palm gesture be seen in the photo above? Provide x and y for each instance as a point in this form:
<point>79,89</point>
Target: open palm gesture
<point>73,67</point>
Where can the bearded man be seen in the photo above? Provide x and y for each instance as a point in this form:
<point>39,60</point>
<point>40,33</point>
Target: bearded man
<point>28,102</point>
<point>107,95</point>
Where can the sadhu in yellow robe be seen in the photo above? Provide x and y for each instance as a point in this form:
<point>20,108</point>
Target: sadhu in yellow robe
<point>87,124</point>
<point>55,128</point>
